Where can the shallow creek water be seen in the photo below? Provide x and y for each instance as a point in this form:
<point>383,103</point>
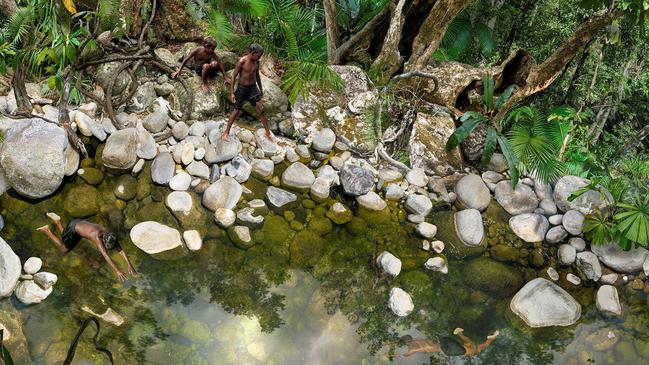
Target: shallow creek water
<point>306,293</point>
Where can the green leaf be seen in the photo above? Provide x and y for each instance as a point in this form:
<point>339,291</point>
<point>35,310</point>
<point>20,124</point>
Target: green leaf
<point>490,145</point>
<point>598,228</point>
<point>488,94</point>
<point>510,157</point>
<point>504,97</point>
<point>463,130</point>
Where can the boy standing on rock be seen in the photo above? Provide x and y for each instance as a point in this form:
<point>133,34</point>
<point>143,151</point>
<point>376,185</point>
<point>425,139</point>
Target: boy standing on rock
<point>207,64</point>
<point>248,71</point>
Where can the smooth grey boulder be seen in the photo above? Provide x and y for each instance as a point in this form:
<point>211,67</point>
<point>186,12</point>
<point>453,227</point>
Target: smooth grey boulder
<point>608,300</point>
<point>198,169</point>
<point>320,190</point>
<point>9,269</point>
<point>542,190</point>
<point>469,227</point>
<point>578,243</point>
<point>224,193</point>
<point>566,255</point>
<point>520,200</point>
<point>556,235</point>
<point>394,192</point>
<point>530,227</point>
<point>298,176</point>
<point>419,204</point>
<point>279,199</point>
<point>262,169</point>
<point>585,203</point>
<point>120,151</point>
<point>33,157</point>
<point>356,180</point>
<point>589,265</point>
<point>28,292</point>
<point>548,207</point>
<point>417,177</point>
<point>573,222</point>
<point>371,201</point>
<point>541,303</point>
<point>324,140</point>
<point>472,193</point>
<point>613,256</point>
<point>426,230</point>
<point>146,146</point>
<point>389,263</point>
<point>156,121</point>
<point>163,168</point>
<point>220,150</point>
<point>158,240</point>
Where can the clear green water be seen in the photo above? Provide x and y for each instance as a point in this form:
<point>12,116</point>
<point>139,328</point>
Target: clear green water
<point>310,296</point>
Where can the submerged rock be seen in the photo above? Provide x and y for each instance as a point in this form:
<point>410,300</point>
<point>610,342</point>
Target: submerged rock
<point>608,300</point>
<point>530,227</point>
<point>472,193</point>
<point>27,292</point>
<point>469,227</point>
<point>279,199</point>
<point>589,265</point>
<point>493,277</point>
<point>224,217</point>
<point>339,214</point>
<point>158,240</point>
<point>9,269</point>
<point>437,264</point>
<point>240,236</point>
<point>193,240</point>
<point>82,201</point>
<point>541,303</point>
<point>400,302</point>
<point>371,201</point>
<point>389,263</point>
<point>45,279</point>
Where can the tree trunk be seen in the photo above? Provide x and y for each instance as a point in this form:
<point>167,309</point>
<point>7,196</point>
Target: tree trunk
<point>362,37</point>
<point>577,73</point>
<point>432,31</point>
<point>389,60</point>
<point>543,75</point>
<point>8,8</point>
<point>20,91</point>
<point>332,29</point>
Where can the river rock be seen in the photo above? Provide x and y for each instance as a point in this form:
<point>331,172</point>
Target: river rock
<point>573,279</point>
<point>156,121</point>
<point>246,217</point>
<point>472,193</point>
<point>548,207</point>
<point>157,240</point>
<point>45,280</point>
<point>33,157</point>
<point>193,240</point>
<point>578,243</point>
<point>180,131</point>
<point>240,236</point>
<point>608,300</point>
<point>220,150</point>
<point>437,264</point>
<point>543,190</point>
<point>125,187</point>
<point>28,292</point>
<point>262,169</point>
<point>553,274</point>
<point>394,192</point>
<point>613,256</point>
<point>530,227</point>
<point>120,151</point>
<point>224,217</point>
<point>516,201</point>
<point>180,182</point>
<point>419,204</point>
<point>492,177</point>
<point>9,269</point>
<point>400,302</point>
<point>371,201</point>
<point>179,201</point>
<point>320,190</point>
<point>146,146</point>
<point>279,199</point>
<point>573,222</point>
<point>541,303</point>
<point>417,177</point>
<point>556,235</point>
<point>198,169</point>
<point>586,203</point>
<point>82,201</point>
<point>589,265</point>
<point>163,168</point>
<point>71,161</point>
<point>356,180</point>
<point>469,227</point>
<point>490,276</point>
<point>32,265</point>
<point>298,176</point>
<point>324,140</point>
<point>224,193</point>
<point>328,174</point>
<point>567,255</point>
<point>389,263</point>
<point>556,219</point>
<point>426,230</point>
<point>339,214</point>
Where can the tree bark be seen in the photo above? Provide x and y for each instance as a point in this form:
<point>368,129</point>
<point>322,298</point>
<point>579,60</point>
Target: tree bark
<point>577,73</point>
<point>432,31</point>
<point>331,24</point>
<point>389,59</point>
<point>541,76</point>
<point>20,91</point>
<point>362,36</point>
<point>8,7</point>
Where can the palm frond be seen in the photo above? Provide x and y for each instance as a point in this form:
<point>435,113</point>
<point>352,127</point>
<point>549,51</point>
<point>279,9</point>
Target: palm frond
<point>510,157</point>
<point>488,92</point>
<point>219,28</point>
<point>301,76</point>
<point>485,37</point>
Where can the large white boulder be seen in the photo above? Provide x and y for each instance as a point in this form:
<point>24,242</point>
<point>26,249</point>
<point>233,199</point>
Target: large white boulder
<point>613,256</point>
<point>541,303</point>
<point>400,302</point>
<point>530,227</point>
<point>521,199</point>
<point>472,193</point>
<point>469,227</point>
<point>389,263</point>
<point>608,300</point>
<point>158,240</point>
<point>9,269</point>
<point>224,193</point>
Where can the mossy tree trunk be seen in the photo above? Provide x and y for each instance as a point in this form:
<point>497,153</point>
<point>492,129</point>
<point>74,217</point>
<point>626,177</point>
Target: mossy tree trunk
<point>20,91</point>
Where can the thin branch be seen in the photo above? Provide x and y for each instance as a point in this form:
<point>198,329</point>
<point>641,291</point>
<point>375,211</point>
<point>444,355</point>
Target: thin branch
<point>141,41</point>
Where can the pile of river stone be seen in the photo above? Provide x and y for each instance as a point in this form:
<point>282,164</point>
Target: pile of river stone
<point>32,286</point>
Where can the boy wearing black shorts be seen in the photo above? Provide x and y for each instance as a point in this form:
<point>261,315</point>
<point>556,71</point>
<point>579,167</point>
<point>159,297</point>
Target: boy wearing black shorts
<point>249,89</point>
<point>207,64</point>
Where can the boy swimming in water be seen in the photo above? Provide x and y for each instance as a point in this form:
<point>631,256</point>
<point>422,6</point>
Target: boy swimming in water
<point>206,64</point>
<point>448,347</point>
<point>103,239</point>
<point>249,89</point>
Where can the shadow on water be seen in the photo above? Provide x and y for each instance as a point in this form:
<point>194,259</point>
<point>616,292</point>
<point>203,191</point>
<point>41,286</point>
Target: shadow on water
<point>308,292</point>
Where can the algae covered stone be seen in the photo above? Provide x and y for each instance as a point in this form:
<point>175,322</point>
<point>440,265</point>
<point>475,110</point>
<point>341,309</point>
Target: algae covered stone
<point>82,201</point>
<point>125,187</point>
<point>339,214</point>
<point>91,175</point>
<point>495,278</point>
<point>240,236</point>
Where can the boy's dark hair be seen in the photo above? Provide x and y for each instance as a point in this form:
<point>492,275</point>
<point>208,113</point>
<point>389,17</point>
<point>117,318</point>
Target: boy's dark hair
<point>110,240</point>
<point>209,42</point>
<point>256,48</point>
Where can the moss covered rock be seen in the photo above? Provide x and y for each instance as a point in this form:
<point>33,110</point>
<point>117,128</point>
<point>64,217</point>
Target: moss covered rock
<point>305,248</point>
<point>339,214</point>
<point>357,226</point>
<point>499,280</point>
<point>91,175</point>
<point>276,230</point>
<point>125,187</point>
<point>504,253</point>
<point>82,201</point>
<point>320,225</point>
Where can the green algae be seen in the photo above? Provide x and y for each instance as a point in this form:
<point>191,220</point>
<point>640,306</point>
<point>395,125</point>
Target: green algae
<point>82,201</point>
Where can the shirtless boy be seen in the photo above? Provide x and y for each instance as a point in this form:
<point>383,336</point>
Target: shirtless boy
<point>249,88</point>
<point>103,239</point>
<point>429,346</point>
<point>206,64</point>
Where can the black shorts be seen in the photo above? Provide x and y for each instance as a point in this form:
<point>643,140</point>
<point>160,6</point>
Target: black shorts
<point>246,93</point>
<point>70,236</point>
<point>211,72</point>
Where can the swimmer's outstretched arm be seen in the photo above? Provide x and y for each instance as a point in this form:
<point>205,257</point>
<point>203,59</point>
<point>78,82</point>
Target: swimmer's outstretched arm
<point>111,263</point>
<point>131,269</point>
